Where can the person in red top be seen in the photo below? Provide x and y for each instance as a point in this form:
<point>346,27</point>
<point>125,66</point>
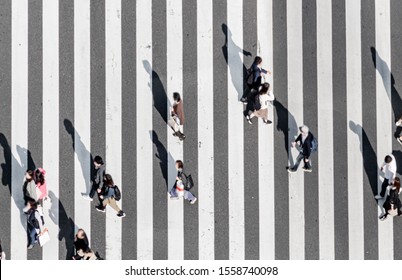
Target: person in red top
<point>41,185</point>
<point>176,121</point>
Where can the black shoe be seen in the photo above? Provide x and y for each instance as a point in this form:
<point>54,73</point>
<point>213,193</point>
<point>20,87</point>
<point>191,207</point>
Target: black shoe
<point>268,122</point>
<point>244,100</point>
<point>249,120</point>
<point>382,217</point>
<point>291,170</point>
<point>100,209</point>
<point>121,214</point>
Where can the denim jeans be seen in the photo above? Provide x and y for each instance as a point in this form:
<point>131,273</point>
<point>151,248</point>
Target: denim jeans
<point>300,157</point>
<point>31,231</point>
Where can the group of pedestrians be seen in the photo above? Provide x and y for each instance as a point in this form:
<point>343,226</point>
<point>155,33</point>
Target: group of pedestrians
<point>105,188</point>
<point>35,194</point>
<point>258,94</point>
<point>390,189</point>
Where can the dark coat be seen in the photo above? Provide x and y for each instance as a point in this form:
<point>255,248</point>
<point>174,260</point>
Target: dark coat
<point>306,146</point>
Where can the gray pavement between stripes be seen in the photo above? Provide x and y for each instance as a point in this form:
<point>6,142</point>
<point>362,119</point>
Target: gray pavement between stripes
<point>220,120</point>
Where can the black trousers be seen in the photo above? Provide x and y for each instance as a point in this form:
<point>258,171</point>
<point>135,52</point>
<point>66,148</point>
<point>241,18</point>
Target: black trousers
<point>384,187</point>
<point>94,190</point>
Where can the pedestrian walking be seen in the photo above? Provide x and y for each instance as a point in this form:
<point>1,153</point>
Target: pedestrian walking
<point>29,187</point>
<point>181,185</point>
<point>307,144</point>
<point>392,204</point>
<point>176,121</point>
<point>2,254</point>
<point>41,185</point>
<point>110,196</point>
<point>254,78</point>
<point>399,123</point>
<point>35,227</point>
<point>98,180</point>
<point>259,106</point>
<point>81,245</point>
<point>389,169</point>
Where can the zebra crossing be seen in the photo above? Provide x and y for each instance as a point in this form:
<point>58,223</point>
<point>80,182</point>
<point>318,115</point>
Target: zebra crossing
<point>96,77</point>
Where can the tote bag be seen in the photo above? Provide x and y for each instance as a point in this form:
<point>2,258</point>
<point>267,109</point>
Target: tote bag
<point>44,238</point>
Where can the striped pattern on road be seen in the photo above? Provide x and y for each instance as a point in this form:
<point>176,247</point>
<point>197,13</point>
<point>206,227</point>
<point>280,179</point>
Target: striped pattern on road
<point>107,72</point>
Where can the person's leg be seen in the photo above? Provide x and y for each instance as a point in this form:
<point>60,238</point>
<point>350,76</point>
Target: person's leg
<point>188,195</point>
<point>94,187</point>
<point>297,162</point>
<point>32,236</point>
<point>114,205</point>
<point>307,164</point>
<point>384,187</point>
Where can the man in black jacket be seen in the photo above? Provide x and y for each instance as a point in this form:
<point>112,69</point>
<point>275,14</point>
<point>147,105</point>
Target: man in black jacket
<point>304,140</point>
<point>97,182</point>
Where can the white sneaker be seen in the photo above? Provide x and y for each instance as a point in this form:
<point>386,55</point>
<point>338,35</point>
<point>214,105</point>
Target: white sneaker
<point>399,140</point>
<point>378,197</point>
<point>193,201</point>
<point>86,197</point>
<point>399,122</point>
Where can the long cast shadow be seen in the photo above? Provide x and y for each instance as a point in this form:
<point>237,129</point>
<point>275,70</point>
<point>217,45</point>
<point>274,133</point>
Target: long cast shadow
<point>369,157</point>
<point>65,223</point>
<point>236,59</point>
<point>164,157</point>
<point>388,77</point>
<point>82,153</point>
<point>160,99</point>
<point>6,169</point>
<point>286,123</point>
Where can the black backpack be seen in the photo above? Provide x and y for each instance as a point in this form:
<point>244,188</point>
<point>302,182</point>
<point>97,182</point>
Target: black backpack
<point>187,181</point>
<point>117,193</point>
<point>32,221</point>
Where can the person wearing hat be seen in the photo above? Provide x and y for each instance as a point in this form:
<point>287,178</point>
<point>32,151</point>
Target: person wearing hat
<point>304,140</point>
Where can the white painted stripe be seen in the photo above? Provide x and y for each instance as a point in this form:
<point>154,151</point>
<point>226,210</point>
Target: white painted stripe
<point>205,131</point>
<point>51,122</point>
<point>295,107</point>
<point>266,139</point>
<point>82,114</point>
<point>384,118</point>
<point>325,130</point>
<point>144,127</point>
<point>175,147</point>
<point>113,121</point>
<point>19,130</point>
<point>354,117</point>
<point>235,130</point>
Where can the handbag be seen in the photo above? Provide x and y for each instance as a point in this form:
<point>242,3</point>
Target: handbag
<point>44,238</point>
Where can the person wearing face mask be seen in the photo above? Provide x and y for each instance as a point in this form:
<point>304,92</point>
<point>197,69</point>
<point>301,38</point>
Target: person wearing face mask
<point>305,141</point>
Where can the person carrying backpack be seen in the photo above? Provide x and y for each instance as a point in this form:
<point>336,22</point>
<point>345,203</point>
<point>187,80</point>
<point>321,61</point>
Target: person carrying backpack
<point>111,195</point>
<point>182,185</point>
<point>35,226</point>
<point>254,78</point>
<point>259,108</point>
<point>308,144</point>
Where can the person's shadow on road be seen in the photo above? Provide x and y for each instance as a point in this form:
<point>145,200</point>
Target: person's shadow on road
<point>235,58</point>
<point>388,78</point>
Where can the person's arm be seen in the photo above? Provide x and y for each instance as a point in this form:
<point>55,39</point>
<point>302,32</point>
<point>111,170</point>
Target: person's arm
<point>100,174</point>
